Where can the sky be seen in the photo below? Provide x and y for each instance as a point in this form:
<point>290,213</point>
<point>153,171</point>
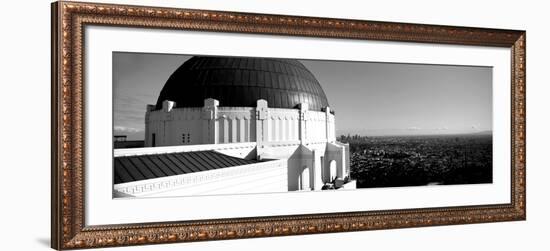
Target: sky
<point>369,98</point>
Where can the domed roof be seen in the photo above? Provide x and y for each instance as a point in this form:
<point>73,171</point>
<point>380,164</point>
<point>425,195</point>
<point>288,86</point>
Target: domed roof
<point>240,82</point>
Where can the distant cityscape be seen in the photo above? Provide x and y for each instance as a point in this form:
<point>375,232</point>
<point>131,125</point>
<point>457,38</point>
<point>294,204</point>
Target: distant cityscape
<point>393,161</point>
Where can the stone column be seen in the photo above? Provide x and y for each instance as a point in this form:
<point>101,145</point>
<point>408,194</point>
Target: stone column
<point>302,134</point>
<point>347,159</point>
<point>327,124</point>
<point>262,121</point>
<point>341,170</point>
<point>148,125</point>
<point>317,172</point>
<point>209,121</point>
<point>164,137</point>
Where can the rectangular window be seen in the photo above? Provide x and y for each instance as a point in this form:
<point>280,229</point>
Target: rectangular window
<point>153,140</point>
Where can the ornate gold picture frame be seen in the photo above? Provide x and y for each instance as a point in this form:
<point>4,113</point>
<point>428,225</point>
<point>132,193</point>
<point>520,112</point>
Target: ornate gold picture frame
<point>69,230</point>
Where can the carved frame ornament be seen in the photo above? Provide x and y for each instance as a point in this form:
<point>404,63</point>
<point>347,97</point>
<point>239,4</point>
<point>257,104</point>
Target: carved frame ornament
<point>68,228</point>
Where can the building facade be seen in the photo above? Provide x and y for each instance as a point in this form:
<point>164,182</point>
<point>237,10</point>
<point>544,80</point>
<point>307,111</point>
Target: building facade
<point>270,111</point>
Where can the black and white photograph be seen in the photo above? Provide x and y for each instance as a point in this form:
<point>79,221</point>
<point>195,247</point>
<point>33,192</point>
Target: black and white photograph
<point>191,125</point>
<point>199,125</point>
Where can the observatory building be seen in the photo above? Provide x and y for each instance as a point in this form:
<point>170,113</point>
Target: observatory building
<point>225,125</point>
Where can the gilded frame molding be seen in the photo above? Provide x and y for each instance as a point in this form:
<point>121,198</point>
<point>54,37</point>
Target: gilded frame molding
<point>68,230</point>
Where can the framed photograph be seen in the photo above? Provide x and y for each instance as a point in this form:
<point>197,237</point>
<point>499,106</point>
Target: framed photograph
<point>176,125</point>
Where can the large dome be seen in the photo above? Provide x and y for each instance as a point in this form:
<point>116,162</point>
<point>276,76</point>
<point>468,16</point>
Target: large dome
<point>240,82</point>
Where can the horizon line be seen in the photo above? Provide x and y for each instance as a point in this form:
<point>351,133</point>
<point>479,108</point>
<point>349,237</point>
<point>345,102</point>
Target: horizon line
<point>433,134</point>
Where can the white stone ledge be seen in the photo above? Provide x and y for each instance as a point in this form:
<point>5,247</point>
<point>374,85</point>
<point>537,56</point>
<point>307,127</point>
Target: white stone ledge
<point>183,148</point>
<point>157,185</point>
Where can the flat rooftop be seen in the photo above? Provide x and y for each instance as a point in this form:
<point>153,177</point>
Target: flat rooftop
<point>143,167</point>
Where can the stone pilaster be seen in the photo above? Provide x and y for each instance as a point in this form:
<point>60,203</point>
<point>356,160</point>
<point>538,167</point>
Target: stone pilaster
<point>327,124</point>
<point>304,107</point>
<point>210,122</point>
<point>147,137</point>
<point>262,115</point>
<point>317,172</point>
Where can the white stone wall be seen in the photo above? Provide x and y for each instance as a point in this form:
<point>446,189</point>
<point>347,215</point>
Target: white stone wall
<point>338,153</point>
<point>222,125</point>
<point>313,156</point>
<point>263,177</point>
<point>316,126</point>
<point>304,139</point>
<point>297,157</point>
<point>283,125</point>
<point>171,128</point>
<point>236,124</point>
<point>331,127</point>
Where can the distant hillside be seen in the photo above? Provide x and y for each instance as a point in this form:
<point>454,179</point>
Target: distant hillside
<point>484,133</point>
<point>407,132</point>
